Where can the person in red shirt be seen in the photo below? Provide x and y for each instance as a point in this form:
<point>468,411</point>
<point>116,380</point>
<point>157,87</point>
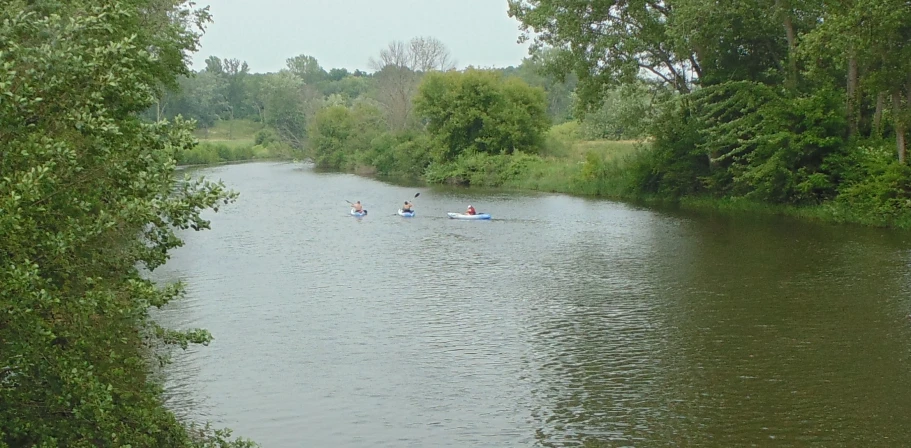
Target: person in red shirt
<point>471,210</point>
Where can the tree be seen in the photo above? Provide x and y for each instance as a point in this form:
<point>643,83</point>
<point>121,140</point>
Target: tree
<point>200,97</point>
<point>611,42</point>
<point>88,199</point>
<point>395,87</point>
<point>608,42</point>
<point>626,113</point>
<point>871,41</point>
<point>288,102</point>
<point>482,111</point>
<point>306,68</point>
<point>235,73</point>
<point>428,54</point>
<point>339,133</point>
<point>559,93</point>
<point>338,74</point>
<point>214,65</point>
<point>398,72</point>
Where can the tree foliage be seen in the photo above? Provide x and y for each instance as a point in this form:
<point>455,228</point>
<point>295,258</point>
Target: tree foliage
<point>482,111</point>
<point>772,97</point>
<point>86,201</point>
<point>338,133</point>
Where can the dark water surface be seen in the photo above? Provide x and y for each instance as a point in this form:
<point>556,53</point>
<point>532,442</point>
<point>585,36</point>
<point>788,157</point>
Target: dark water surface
<point>561,322</point>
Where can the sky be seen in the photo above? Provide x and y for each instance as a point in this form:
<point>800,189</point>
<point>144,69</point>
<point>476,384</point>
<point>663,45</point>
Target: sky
<point>346,33</point>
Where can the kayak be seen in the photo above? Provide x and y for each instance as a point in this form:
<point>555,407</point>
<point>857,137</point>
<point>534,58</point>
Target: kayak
<point>406,214</point>
<point>358,214</point>
<point>464,216</point>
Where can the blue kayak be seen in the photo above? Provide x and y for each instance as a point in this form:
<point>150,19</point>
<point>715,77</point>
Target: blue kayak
<point>467,216</point>
<point>406,214</point>
<point>359,214</point>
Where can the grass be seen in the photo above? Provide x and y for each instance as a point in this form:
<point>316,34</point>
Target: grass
<point>580,167</point>
<point>231,141</point>
<point>230,131</point>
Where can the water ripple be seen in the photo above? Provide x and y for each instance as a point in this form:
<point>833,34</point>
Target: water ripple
<point>563,322</point>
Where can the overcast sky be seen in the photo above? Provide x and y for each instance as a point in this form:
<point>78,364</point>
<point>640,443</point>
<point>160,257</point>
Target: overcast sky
<point>346,33</point>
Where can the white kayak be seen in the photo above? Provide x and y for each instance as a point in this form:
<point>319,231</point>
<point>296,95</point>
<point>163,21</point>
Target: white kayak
<point>358,214</point>
<point>406,214</point>
<point>466,216</point>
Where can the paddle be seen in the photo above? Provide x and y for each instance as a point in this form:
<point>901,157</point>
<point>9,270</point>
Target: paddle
<point>415,195</point>
<point>364,210</point>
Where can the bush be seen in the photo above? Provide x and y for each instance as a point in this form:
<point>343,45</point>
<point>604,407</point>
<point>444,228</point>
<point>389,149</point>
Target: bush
<point>481,111</point>
<point>560,139</point>
<point>481,169</point>
<point>207,153</point>
<point>874,185</point>
<point>265,136</point>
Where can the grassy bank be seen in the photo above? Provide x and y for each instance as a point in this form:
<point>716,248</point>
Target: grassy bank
<point>626,170</point>
<point>233,141</point>
<point>619,169</point>
<point>565,164</point>
<point>859,185</point>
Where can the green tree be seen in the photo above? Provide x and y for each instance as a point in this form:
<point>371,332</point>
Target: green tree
<point>608,42</point>
<point>235,93</point>
<point>626,113</point>
<point>287,103</point>
<point>87,199</point>
<point>560,94</point>
<point>306,68</point>
<point>482,111</point>
<point>338,133</point>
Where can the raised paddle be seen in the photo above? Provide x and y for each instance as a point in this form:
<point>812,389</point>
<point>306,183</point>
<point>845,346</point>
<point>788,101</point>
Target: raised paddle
<point>415,195</point>
<point>363,211</point>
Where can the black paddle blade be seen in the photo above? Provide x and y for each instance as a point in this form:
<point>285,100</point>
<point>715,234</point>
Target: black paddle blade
<point>418,194</point>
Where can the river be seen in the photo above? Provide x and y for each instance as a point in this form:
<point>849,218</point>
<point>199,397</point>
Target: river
<point>561,322</point>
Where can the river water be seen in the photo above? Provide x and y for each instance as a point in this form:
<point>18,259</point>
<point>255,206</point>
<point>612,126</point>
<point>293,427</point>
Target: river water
<point>561,322</point>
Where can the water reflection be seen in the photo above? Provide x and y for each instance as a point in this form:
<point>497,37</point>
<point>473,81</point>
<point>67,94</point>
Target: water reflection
<point>562,322</point>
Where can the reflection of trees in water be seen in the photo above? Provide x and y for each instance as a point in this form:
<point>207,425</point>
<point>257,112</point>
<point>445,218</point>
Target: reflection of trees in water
<point>600,337</point>
<point>722,331</point>
<point>180,376</point>
<point>786,325</point>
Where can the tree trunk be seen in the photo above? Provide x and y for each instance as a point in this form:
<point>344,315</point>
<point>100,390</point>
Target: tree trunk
<point>785,10</point>
<point>878,115</point>
<point>852,102</point>
<point>899,125</point>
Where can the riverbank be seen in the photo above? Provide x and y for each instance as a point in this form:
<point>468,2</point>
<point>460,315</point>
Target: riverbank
<point>234,141</point>
<point>621,170</point>
<point>624,170</point>
<point>616,176</point>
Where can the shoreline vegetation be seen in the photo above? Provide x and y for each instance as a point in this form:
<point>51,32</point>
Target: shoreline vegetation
<point>233,141</point>
<point>567,164</point>
<point>785,133</point>
<point>88,207</point>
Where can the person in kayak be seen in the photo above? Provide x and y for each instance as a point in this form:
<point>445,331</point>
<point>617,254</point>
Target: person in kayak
<point>471,210</point>
<point>407,207</point>
<point>357,207</point>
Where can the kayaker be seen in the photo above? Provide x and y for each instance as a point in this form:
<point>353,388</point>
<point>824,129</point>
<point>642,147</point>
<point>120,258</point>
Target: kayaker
<point>357,207</point>
<point>471,210</point>
<point>406,207</point>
